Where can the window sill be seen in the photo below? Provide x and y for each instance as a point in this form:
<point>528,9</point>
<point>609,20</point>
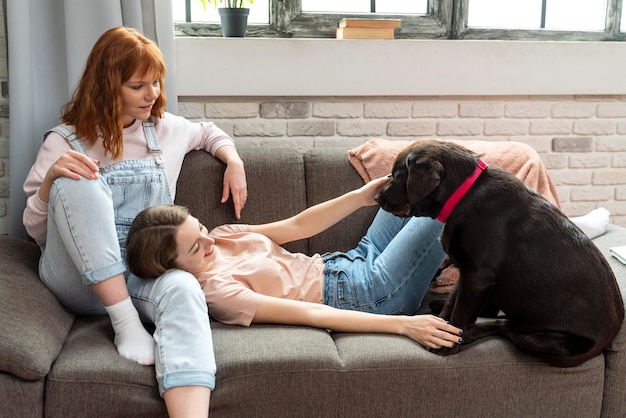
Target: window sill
<point>330,67</point>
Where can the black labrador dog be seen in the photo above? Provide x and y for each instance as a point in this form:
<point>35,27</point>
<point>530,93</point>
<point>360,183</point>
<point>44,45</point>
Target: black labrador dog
<point>515,251</point>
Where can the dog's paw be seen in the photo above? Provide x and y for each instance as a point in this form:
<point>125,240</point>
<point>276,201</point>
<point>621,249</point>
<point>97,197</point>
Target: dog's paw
<point>446,351</point>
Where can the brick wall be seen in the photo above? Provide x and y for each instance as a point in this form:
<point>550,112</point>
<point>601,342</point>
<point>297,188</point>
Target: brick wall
<point>582,140</point>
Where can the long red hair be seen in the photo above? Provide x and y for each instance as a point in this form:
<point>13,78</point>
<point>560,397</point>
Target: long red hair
<point>117,55</point>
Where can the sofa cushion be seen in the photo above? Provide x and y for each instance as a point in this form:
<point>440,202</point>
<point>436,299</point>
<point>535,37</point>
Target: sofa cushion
<point>275,371</point>
<point>323,184</point>
<point>33,324</point>
<point>614,401</point>
<point>613,237</point>
<point>276,188</point>
<point>21,398</point>
<point>89,374</point>
<point>264,368</point>
<point>496,379</point>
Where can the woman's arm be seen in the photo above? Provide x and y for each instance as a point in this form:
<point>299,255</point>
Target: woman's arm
<point>234,178</point>
<point>318,218</point>
<point>428,330</point>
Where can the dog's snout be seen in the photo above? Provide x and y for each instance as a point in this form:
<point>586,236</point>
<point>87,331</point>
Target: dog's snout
<point>391,199</point>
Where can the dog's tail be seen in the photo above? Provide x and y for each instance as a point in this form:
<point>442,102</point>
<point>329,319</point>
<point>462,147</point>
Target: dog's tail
<point>557,348</point>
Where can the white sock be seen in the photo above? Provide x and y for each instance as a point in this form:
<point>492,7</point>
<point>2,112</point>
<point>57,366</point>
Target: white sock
<point>594,223</point>
<point>131,338</point>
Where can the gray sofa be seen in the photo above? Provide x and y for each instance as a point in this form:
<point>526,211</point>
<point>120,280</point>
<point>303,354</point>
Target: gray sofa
<point>56,364</point>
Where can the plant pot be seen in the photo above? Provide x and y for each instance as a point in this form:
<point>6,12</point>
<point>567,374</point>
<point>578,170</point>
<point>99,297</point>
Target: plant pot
<point>234,21</point>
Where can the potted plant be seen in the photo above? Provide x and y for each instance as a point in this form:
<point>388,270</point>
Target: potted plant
<point>234,16</point>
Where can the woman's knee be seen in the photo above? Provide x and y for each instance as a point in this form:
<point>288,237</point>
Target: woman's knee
<point>81,188</point>
<point>180,285</point>
<point>166,295</point>
<point>89,197</point>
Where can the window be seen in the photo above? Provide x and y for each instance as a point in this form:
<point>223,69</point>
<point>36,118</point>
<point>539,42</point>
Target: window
<point>366,6</point>
<point>587,15</point>
<point>193,11</point>
<point>589,20</point>
<point>305,19</point>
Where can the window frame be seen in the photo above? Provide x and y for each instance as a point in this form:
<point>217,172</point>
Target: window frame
<point>447,20</point>
<point>288,21</point>
<point>611,32</point>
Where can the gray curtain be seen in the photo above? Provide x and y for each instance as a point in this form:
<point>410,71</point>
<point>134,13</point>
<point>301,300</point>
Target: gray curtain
<point>48,43</point>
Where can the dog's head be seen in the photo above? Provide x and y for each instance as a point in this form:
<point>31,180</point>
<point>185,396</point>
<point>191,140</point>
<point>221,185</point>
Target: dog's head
<point>424,175</point>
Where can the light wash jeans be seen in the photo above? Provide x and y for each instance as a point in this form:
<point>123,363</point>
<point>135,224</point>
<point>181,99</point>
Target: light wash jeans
<point>88,222</point>
<point>391,268</point>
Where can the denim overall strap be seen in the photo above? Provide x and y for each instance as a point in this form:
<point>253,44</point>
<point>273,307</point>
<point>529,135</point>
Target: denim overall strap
<point>134,184</point>
<point>153,141</point>
<point>77,145</point>
<point>70,136</point>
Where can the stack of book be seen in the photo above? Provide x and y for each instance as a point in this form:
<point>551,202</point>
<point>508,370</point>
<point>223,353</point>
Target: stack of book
<point>367,28</point>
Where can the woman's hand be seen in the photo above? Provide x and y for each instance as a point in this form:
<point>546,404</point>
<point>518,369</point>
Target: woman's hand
<point>71,164</point>
<point>74,165</point>
<point>431,331</point>
<point>234,178</point>
<point>235,185</point>
<point>371,189</point>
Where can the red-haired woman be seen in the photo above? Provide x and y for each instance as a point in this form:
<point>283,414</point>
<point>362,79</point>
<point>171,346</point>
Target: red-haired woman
<point>116,153</point>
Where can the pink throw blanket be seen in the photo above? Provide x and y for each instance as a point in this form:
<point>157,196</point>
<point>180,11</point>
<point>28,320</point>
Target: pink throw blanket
<point>375,159</point>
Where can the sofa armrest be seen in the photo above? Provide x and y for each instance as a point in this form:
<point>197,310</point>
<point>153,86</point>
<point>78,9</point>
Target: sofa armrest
<point>33,325</point>
<point>613,237</point>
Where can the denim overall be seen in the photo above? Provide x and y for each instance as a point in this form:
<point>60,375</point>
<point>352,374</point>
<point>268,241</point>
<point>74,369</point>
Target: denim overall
<point>88,221</point>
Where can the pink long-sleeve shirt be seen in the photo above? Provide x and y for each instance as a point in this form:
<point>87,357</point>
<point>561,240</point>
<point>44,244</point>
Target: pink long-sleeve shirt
<point>177,136</point>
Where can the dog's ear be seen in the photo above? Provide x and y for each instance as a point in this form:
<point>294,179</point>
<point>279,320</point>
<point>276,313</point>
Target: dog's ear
<point>423,178</point>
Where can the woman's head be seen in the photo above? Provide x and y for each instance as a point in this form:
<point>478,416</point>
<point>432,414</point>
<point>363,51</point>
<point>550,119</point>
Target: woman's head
<point>151,246</point>
<point>119,55</point>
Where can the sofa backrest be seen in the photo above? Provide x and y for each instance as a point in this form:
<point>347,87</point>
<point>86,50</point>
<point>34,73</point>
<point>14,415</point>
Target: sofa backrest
<point>282,181</point>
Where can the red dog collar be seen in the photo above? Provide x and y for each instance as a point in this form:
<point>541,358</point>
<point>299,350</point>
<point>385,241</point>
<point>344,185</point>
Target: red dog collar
<point>458,194</point>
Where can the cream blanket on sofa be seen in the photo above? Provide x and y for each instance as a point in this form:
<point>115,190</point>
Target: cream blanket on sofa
<point>375,159</point>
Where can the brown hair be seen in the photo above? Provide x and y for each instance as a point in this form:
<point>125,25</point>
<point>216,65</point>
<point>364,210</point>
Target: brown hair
<point>151,247</point>
<point>117,55</point>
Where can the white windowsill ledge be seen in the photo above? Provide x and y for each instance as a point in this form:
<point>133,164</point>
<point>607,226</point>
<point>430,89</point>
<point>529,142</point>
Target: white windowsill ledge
<point>330,67</point>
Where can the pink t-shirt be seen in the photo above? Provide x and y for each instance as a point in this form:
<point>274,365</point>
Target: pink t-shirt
<point>249,265</point>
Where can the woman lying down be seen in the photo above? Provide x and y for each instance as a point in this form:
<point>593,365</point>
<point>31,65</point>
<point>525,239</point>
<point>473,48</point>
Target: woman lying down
<point>247,277</point>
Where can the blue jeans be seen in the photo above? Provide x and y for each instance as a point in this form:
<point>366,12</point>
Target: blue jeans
<point>87,225</point>
<point>389,271</point>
